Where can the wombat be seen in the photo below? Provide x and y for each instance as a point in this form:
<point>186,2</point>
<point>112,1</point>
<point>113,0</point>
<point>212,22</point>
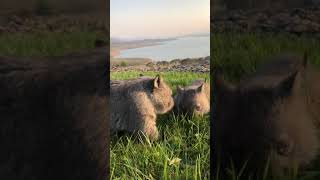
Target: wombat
<point>193,99</point>
<point>54,119</point>
<point>265,120</point>
<point>135,104</point>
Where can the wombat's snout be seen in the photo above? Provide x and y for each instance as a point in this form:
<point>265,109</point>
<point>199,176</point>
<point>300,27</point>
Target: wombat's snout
<point>198,107</point>
<point>198,113</point>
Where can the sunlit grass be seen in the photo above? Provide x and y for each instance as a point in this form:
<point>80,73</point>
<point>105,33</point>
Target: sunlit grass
<point>182,153</point>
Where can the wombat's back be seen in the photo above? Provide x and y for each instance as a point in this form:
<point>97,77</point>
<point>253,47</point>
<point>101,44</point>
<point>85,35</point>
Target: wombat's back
<point>125,87</point>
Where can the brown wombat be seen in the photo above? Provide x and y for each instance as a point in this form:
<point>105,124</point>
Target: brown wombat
<point>193,99</point>
<point>266,117</point>
<point>135,104</point>
<point>54,117</point>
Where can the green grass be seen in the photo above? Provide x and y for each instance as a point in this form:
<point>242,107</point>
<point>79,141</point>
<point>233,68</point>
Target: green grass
<point>183,153</point>
<point>123,64</point>
<point>46,43</point>
<point>238,54</point>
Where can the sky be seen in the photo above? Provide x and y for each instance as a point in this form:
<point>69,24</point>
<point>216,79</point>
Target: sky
<point>134,19</point>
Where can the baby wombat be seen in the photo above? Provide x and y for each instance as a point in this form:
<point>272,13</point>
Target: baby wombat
<point>135,104</point>
<point>265,118</point>
<point>193,99</point>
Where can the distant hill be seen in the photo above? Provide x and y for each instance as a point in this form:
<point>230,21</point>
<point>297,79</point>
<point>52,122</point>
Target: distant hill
<point>196,35</point>
<point>119,41</point>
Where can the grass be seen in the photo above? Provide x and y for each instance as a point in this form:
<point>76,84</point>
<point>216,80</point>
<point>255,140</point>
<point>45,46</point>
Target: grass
<point>123,64</point>
<point>183,153</point>
<point>46,43</point>
<point>241,53</point>
<point>185,139</point>
<point>238,54</point>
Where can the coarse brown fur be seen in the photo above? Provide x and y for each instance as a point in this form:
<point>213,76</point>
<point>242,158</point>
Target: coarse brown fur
<point>266,118</point>
<point>54,117</point>
<point>136,103</point>
<point>193,99</point>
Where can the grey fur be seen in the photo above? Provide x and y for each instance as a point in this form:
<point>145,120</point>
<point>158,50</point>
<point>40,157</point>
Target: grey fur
<point>193,99</point>
<point>135,104</point>
<point>271,114</point>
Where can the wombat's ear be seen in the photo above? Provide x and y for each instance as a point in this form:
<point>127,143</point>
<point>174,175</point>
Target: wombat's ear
<point>200,88</point>
<point>220,85</point>
<point>284,88</point>
<point>157,81</point>
<point>180,89</point>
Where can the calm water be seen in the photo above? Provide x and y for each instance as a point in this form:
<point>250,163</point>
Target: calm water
<point>186,47</point>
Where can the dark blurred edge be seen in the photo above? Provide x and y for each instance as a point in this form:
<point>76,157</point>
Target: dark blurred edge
<point>107,5</point>
<point>220,9</point>
<point>94,9</point>
<point>212,11</point>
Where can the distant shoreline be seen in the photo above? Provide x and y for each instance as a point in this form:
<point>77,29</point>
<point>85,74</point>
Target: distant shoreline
<point>116,48</point>
<point>116,51</point>
<point>119,46</point>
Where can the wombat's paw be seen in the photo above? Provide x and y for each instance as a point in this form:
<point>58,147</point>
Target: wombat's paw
<point>153,134</point>
<point>148,134</point>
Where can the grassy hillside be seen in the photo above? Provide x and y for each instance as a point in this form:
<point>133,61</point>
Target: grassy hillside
<point>183,153</point>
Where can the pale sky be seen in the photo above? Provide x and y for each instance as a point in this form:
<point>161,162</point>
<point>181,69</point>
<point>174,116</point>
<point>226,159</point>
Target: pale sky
<point>158,18</point>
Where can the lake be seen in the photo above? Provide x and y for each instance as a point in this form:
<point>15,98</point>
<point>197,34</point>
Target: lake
<point>186,47</point>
